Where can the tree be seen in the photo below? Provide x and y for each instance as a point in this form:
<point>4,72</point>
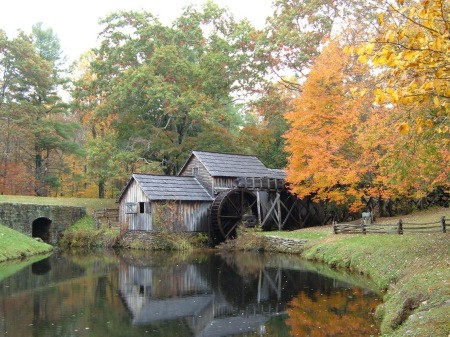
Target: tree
<point>31,108</point>
<point>165,90</point>
<point>409,165</point>
<point>410,129</point>
<point>324,156</point>
<point>298,29</point>
<point>412,51</point>
<point>263,134</point>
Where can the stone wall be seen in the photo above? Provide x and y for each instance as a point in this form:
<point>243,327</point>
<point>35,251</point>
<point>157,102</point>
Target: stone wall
<point>21,216</point>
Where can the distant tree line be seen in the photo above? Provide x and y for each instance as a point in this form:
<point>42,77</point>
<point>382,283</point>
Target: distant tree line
<point>351,97</point>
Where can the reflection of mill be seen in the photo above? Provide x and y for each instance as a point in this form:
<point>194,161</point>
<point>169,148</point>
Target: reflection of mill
<point>218,303</point>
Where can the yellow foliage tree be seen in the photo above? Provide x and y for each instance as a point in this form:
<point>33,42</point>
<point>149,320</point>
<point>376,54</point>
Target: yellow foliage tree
<point>413,50</point>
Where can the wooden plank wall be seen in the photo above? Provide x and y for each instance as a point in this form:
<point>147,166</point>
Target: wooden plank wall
<point>138,221</point>
<point>183,279</point>
<point>203,175</point>
<point>222,183</point>
<point>195,216</point>
<point>190,216</point>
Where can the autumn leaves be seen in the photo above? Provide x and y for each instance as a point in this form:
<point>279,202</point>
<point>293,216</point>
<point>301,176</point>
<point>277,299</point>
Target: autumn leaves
<point>373,119</point>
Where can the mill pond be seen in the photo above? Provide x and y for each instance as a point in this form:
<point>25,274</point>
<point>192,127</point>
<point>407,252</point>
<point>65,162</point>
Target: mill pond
<point>182,294</point>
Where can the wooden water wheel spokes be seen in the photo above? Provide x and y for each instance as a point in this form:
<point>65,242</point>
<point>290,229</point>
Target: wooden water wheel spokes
<point>228,210</point>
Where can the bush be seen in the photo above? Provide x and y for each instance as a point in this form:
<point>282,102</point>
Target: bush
<point>84,234</point>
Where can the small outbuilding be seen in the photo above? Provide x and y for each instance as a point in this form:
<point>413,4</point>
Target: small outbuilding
<point>151,200</point>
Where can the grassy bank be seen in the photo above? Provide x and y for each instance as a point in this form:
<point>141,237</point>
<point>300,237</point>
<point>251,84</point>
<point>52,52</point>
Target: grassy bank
<point>91,204</point>
<point>84,234</point>
<point>413,269</point>
<point>15,245</point>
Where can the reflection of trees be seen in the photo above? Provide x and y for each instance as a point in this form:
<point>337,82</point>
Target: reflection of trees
<point>247,264</point>
<point>90,298</point>
<point>237,290</point>
<point>245,279</point>
<point>342,313</point>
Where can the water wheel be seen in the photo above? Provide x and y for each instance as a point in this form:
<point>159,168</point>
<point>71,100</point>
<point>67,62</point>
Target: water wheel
<point>228,209</point>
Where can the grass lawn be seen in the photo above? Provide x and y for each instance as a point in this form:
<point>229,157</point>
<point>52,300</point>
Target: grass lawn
<point>16,245</point>
<point>412,268</point>
<point>91,204</point>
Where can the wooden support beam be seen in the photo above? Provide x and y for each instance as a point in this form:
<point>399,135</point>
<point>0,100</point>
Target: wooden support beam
<point>272,214</point>
<point>273,283</point>
<point>269,213</point>
<point>289,212</point>
<point>258,206</point>
<point>279,211</point>
<point>259,286</point>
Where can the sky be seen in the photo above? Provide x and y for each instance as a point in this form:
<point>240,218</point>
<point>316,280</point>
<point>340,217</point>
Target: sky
<point>75,22</point>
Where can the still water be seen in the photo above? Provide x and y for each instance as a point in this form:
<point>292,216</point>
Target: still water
<point>114,294</point>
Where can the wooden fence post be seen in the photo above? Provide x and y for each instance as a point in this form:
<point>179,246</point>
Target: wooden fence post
<point>400,227</point>
<point>363,227</point>
<point>334,227</point>
<point>444,230</point>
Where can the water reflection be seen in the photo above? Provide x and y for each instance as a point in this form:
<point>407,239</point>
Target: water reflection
<point>41,267</point>
<point>182,295</point>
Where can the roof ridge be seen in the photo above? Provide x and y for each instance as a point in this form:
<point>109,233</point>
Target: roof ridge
<point>171,183</point>
<point>226,153</point>
<point>152,174</point>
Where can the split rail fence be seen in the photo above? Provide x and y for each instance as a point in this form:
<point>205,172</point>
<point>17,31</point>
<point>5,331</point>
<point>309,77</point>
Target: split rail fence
<point>400,227</point>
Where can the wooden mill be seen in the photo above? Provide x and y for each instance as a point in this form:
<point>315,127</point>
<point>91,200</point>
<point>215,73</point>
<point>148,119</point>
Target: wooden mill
<point>214,193</point>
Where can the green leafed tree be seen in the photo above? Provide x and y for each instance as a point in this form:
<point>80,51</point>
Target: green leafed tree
<point>166,90</point>
<point>266,125</point>
<point>32,111</point>
<point>296,32</point>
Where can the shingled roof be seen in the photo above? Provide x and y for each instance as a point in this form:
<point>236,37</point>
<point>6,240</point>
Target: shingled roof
<point>232,165</point>
<point>278,173</point>
<point>158,187</point>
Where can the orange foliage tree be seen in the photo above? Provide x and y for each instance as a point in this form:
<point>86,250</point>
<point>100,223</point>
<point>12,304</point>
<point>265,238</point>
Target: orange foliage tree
<point>324,155</point>
<point>345,313</point>
<point>409,164</point>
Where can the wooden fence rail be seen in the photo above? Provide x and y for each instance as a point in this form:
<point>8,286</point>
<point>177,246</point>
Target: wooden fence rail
<point>398,228</point>
<point>106,216</point>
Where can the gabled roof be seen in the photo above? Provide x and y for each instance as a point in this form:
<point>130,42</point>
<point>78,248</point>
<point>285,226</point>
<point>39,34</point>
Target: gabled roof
<point>231,165</point>
<point>158,187</point>
<point>154,310</point>
<point>278,173</point>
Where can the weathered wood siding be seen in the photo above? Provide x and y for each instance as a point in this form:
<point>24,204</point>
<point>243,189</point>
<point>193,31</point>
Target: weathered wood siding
<point>182,279</point>
<point>202,176</point>
<point>138,220</point>
<point>191,216</point>
<point>222,183</point>
<point>195,216</point>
